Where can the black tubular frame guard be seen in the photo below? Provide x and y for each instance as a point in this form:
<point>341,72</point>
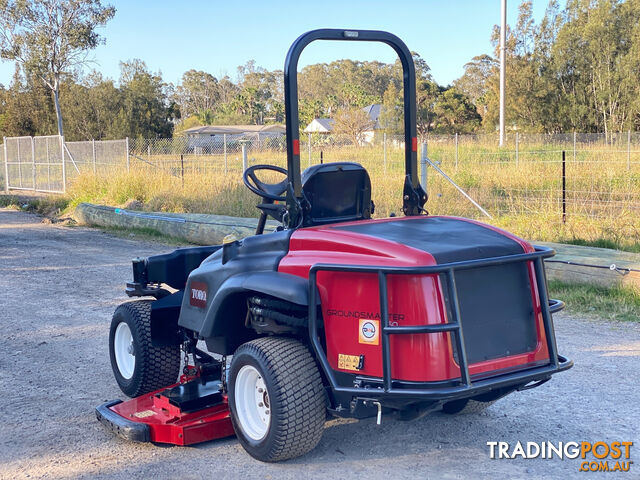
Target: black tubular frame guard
<point>414,196</point>
<point>466,386</point>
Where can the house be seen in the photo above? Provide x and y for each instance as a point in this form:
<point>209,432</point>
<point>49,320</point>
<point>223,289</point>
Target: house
<point>214,137</point>
<point>325,125</point>
<point>320,125</point>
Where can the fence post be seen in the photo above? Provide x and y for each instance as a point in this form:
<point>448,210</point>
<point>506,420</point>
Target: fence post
<point>244,156</point>
<point>309,149</point>
<point>517,148</point>
<point>6,165</point>
<point>126,146</point>
<point>20,161</point>
<point>33,163</point>
<point>564,188</point>
<point>423,167</point>
<point>629,150</point>
<point>456,151</point>
<point>48,164</point>
<point>64,168</point>
<point>93,149</point>
<point>384,151</point>
<point>574,147</point>
<point>182,168</point>
<point>224,142</point>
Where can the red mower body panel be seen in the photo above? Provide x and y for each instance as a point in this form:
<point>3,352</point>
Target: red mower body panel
<point>157,417</point>
<point>351,303</point>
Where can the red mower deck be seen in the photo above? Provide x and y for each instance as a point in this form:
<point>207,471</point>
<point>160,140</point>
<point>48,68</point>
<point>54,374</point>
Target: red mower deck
<point>191,412</point>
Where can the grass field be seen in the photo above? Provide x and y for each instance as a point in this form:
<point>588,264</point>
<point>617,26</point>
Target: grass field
<point>520,186</point>
<point>522,191</point>
<point>618,303</point>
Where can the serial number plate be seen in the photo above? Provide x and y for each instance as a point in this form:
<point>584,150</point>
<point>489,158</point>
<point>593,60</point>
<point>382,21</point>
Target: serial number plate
<point>349,362</point>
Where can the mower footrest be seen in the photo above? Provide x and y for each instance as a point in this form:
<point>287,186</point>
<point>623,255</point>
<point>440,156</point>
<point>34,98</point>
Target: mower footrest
<point>157,417</point>
<point>122,427</point>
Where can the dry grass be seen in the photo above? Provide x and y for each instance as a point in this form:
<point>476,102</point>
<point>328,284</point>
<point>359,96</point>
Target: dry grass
<point>523,195</point>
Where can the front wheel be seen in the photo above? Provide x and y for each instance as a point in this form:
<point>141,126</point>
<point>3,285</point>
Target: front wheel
<point>138,366</point>
<point>276,397</point>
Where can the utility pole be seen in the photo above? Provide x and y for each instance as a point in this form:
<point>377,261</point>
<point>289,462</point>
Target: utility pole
<point>503,39</point>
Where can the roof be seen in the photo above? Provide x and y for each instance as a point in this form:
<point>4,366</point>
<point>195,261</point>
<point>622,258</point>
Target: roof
<point>325,125</point>
<point>234,129</point>
<point>320,125</point>
<point>373,111</point>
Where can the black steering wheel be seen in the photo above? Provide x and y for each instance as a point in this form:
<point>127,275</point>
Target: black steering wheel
<point>268,191</point>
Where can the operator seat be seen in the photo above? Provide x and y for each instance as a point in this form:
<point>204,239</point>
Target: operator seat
<point>336,192</point>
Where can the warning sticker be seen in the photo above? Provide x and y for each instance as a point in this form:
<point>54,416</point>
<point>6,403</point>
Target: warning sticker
<point>369,332</point>
<point>350,362</point>
<point>144,414</point>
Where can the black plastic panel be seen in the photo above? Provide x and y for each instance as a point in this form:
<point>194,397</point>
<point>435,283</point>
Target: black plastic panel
<point>259,253</point>
<point>174,268</point>
<point>447,239</point>
<point>336,192</point>
<point>164,320</point>
<point>195,394</point>
<point>122,427</point>
<point>496,311</point>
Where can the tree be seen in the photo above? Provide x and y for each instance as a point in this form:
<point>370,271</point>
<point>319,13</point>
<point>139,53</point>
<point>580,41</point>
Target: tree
<point>27,108</point>
<point>353,123</point>
<point>91,108</point>
<point>391,111</point>
<point>455,113</point>
<point>596,55</point>
<point>146,111</point>
<point>474,81</point>
<point>198,94</point>
<point>51,38</point>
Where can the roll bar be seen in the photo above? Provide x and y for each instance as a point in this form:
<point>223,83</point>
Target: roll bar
<point>414,196</point>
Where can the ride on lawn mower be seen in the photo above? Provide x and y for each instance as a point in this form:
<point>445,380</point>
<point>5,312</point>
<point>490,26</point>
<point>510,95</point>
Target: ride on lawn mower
<point>334,313</point>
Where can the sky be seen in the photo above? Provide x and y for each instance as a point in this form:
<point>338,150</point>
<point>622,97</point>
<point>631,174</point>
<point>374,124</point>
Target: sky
<point>217,36</point>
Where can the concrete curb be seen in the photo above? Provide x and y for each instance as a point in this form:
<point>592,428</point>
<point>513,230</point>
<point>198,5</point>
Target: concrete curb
<point>604,277</point>
<point>201,229</point>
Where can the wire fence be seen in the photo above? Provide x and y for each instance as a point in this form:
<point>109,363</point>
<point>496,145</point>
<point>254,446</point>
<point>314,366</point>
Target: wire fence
<point>599,178</point>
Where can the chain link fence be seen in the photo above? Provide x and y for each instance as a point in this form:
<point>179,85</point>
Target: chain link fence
<point>551,177</point>
<point>34,163</point>
<point>585,175</point>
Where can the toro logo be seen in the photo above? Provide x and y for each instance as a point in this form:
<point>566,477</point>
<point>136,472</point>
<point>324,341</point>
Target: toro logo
<point>198,297</point>
<point>369,331</point>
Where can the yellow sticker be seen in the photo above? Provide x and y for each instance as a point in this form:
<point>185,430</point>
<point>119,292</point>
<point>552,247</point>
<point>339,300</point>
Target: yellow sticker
<point>144,414</point>
<point>348,362</point>
<point>369,332</point>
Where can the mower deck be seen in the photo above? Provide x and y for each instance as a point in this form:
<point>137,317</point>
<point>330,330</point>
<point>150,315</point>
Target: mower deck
<point>183,414</point>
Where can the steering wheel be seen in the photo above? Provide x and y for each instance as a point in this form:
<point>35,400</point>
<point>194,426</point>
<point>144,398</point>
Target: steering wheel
<point>268,191</point>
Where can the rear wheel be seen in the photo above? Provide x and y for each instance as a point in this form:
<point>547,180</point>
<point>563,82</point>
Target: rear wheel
<point>277,399</point>
<point>465,406</point>
<point>138,366</point>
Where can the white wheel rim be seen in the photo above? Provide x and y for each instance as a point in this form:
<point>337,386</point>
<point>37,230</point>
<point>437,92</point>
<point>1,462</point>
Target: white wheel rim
<point>252,403</point>
<point>124,350</point>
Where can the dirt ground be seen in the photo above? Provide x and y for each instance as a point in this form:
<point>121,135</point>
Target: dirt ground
<point>59,288</point>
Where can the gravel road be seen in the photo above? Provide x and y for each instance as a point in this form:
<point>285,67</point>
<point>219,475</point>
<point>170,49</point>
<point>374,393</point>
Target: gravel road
<point>59,288</point>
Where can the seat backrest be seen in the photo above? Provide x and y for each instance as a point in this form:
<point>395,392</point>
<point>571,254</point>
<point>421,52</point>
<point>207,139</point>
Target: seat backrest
<point>336,192</point>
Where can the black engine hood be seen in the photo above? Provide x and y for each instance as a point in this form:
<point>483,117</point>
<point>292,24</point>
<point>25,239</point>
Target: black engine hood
<point>447,239</point>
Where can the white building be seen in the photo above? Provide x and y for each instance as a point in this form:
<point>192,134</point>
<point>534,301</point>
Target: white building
<point>213,137</point>
<point>325,125</point>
